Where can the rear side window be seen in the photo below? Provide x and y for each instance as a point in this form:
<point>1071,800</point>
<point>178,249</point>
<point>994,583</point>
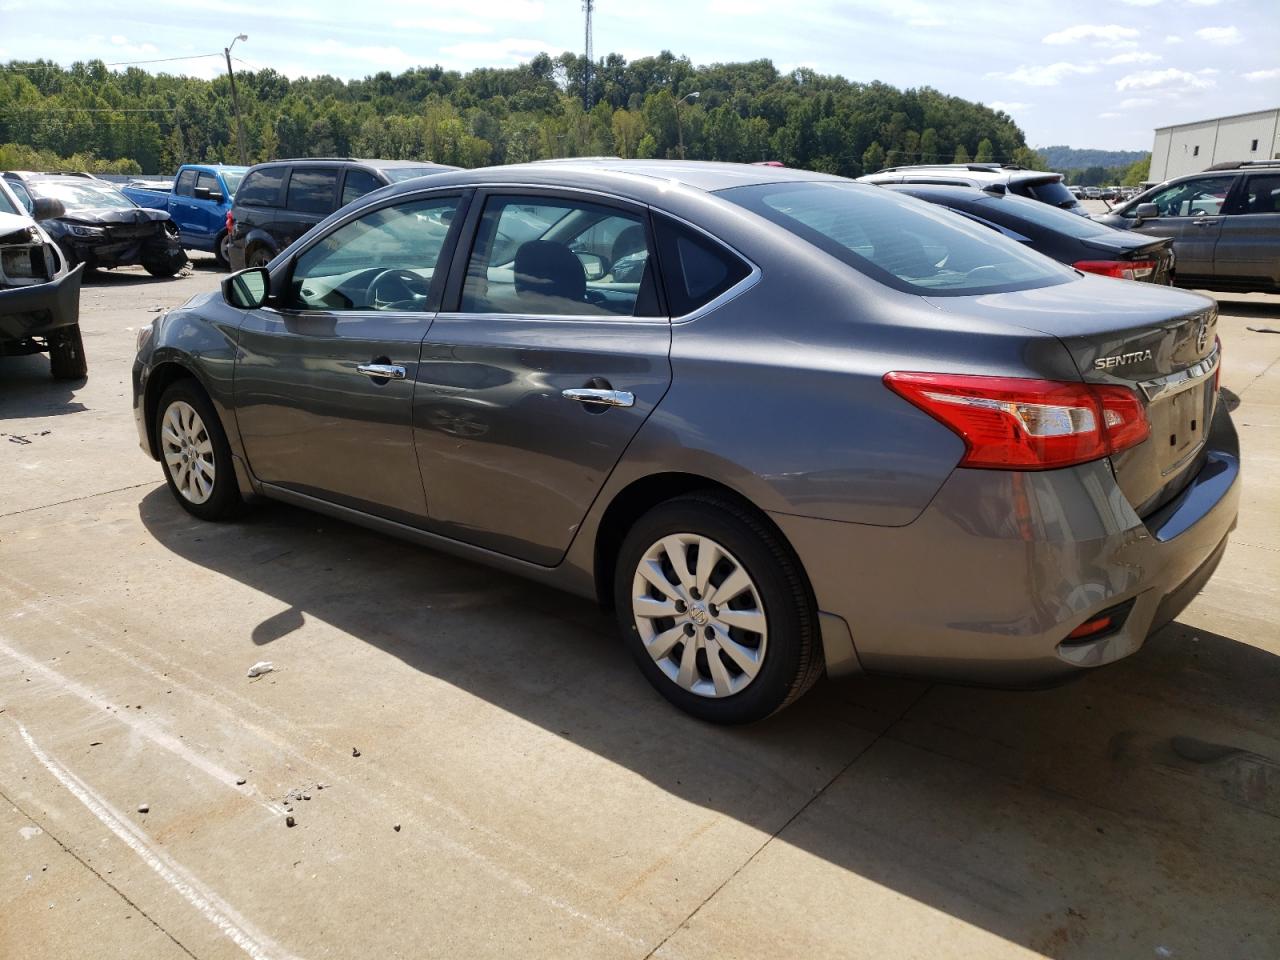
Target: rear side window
<point>261,188</point>
<point>1052,192</point>
<point>311,190</point>
<point>358,183</point>
<point>209,182</point>
<point>186,180</point>
<point>695,268</point>
<point>910,246</point>
<point>1260,195</point>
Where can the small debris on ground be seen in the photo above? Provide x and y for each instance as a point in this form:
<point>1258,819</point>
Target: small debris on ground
<point>289,821</point>
<point>239,781</point>
<point>261,667</point>
<point>396,828</point>
<point>95,743</point>
<point>143,807</point>
<point>355,752</point>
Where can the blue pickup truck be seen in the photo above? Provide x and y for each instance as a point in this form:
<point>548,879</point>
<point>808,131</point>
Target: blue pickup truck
<point>198,203</point>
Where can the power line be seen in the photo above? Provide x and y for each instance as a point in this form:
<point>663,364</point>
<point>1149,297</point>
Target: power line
<point>130,63</point>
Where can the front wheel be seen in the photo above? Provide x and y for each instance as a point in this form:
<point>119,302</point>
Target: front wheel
<point>195,453</point>
<point>66,354</point>
<point>716,610</point>
<point>166,265</point>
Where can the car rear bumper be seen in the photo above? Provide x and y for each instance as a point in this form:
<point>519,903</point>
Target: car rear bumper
<point>987,583</point>
<point>41,308</point>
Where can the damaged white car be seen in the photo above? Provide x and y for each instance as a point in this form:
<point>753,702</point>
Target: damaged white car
<point>39,296</point>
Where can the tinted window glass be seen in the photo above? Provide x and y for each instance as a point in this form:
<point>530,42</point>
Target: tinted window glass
<point>311,190</point>
<point>261,188</point>
<point>906,245</point>
<point>1202,196</point>
<point>695,268</point>
<point>383,261</point>
<point>551,258</point>
<point>1261,195</point>
<point>357,184</point>
<point>186,180</point>
<point>7,205</point>
<point>208,181</point>
<point>1015,210</point>
<point>1053,192</point>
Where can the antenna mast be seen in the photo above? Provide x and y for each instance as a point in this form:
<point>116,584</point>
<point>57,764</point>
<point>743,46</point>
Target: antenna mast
<point>587,6</point>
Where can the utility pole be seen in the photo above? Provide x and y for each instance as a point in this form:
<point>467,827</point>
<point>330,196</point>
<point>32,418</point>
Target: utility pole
<point>235,97</point>
<point>587,6</point>
<point>680,126</point>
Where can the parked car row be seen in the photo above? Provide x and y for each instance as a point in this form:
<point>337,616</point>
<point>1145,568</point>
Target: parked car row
<point>751,409</point>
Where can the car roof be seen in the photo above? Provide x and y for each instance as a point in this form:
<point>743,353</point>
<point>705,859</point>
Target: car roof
<point>976,172</point>
<point>375,163</point>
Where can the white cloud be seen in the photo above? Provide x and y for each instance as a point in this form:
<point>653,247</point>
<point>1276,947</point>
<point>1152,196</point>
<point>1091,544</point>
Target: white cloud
<point>453,25</point>
<point>1173,38</point>
<point>1111,35</point>
<point>1108,116</point>
<point>1009,106</point>
<point>492,53</point>
<point>1133,103</point>
<point>1045,76</point>
<point>383,57</point>
<point>1163,81</point>
<point>1204,3</point>
<point>738,8</point>
<point>1258,76</point>
<point>1226,36</point>
<point>1140,3</point>
<point>1133,56</point>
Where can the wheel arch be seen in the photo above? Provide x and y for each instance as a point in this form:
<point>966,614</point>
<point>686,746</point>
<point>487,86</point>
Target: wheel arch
<point>161,377</point>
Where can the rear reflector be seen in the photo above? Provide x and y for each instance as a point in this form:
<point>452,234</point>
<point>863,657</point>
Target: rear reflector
<point>1123,269</point>
<point>1089,628</point>
<point>1010,423</point>
<point>1102,624</point>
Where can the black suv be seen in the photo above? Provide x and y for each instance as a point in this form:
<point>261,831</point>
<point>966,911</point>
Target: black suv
<point>1039,185</point>
<point>279,201</point>
<point>1224,222</point>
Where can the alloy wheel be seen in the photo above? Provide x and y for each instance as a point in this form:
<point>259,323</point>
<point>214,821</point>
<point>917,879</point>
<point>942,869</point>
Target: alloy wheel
<point>188,452</point>
<point>699,615</point>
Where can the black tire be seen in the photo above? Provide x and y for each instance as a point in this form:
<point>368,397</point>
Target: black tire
<point>224,262</point>
<point>258,256</point>
<point>792,660</point>
<point>167,265</point>
<point>224,499</point>
<point>66,354</point>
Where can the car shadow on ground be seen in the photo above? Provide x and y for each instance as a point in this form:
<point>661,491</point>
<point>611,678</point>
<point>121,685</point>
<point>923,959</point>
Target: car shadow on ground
<point>28,390</point>
<point>1134,808</point>
<point>127,277</point>
<point>1247,308</point>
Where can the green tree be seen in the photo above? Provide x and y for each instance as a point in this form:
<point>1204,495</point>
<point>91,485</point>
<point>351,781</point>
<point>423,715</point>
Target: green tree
<point>1137,172</point>
<point>986,151</point>
<point>873,157</point>
<point>1026,157</point>
<point>961,156</point>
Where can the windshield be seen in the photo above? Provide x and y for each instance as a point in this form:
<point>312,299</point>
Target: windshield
<point>396,174</point>
<point>905,244</point>
<point>6,205</point>
<point>232,180</point>
<point>83,196</point>
<point>1003,209</point>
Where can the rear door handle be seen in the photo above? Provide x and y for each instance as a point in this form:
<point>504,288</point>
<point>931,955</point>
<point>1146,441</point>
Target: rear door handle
<point>381,371</point>
<point>606,398</point>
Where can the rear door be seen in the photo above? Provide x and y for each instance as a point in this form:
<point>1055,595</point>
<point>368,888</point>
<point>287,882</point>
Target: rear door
<point>325,379</point>
<point>183,207</point>
<point>310,196</point>
<point>552,354</point>
<point>1248,251</point>
<point>1191,212</point>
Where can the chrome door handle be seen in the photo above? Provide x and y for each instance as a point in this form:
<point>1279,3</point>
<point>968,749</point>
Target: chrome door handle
<point>607,398</point>
<point>381,371</point>
<point>1200,221</point>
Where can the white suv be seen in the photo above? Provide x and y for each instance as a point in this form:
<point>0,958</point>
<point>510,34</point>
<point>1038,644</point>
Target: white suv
<point>1036,184</point>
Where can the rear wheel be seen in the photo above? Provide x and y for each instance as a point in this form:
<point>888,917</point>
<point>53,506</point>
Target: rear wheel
<point>716,610</point>
<point>222,250</point>
<point>194,451</point>
<point>66,354</point>
<point>258,256</point>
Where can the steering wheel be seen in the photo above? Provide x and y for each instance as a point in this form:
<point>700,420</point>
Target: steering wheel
<point>395,286</point>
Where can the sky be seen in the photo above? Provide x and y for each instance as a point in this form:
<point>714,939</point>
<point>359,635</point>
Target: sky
<point>1086,73</point>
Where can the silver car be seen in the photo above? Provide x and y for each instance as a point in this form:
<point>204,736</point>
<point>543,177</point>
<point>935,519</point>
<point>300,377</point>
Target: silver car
<point>779,421</point>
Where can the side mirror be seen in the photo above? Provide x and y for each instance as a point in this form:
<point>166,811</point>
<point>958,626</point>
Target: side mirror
<point>1145,211</point>
<point>592,265</point>
<point>47,208</point>
<point>248,289</point>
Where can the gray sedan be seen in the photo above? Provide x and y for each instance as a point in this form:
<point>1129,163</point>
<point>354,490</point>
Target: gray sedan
<point>780,422</point>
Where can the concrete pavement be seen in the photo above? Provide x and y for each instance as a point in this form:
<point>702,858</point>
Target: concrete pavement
<point>549,804</point>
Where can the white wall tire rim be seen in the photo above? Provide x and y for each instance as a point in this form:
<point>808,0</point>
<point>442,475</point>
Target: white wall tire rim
<point>699,615</point>
<point>187,449</point>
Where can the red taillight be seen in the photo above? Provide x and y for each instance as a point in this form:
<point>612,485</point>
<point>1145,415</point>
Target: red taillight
<point>1010,423</point>
<point>231,222</point>
<point>1123,269</point>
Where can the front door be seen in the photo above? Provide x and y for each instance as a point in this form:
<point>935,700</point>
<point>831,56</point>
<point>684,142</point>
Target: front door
<point>532,386</point>
<point>324,381</point>
<point>1191,212</point>
<point>1248,251</point>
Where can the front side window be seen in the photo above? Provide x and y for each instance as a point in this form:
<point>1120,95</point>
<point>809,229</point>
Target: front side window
<point>1260,195</point>
<point>186,180</point>
<point>357,184</point>
<point>311,190</point>
<point>909,246</point>
<point>384,260</point>
<point>548,258</point>
<point>1201,197</point>
<point>261,188</point>
<point>208,181</point>
<point>23,194</point>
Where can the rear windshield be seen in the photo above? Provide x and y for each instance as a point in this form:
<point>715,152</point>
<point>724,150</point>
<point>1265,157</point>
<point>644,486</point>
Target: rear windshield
<point>1007,209</point>
<point>905,244</point>
<point>1053,192</point>
<point>396,174</point>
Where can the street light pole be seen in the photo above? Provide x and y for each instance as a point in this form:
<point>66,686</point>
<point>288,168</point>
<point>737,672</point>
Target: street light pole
<point>679,125</point>
<point>235,97</point>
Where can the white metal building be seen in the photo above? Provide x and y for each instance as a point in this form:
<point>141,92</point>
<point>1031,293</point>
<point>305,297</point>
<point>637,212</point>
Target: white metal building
<point>1191,147</point>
